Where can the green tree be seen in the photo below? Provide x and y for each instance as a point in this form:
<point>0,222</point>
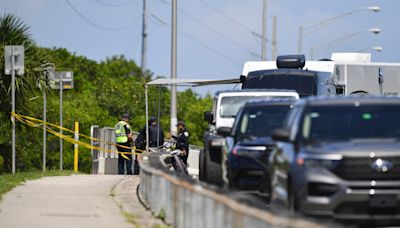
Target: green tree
<point>14,32</point>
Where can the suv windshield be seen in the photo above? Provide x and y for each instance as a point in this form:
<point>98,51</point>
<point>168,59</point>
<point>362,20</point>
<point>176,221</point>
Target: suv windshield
<point>343,123</point>
<point>231,105</point>
<point>261,121</point>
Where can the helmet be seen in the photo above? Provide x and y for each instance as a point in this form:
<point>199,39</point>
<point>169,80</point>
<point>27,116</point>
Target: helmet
<point>181,123</point>
<point>152,119</point>
<point>126,116</point>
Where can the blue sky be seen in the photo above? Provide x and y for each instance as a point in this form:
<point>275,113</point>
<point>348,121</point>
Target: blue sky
<point>215,36</point>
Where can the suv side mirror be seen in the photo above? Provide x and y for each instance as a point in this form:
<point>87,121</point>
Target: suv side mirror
<point>208,116</point>
<point>224,131</point>
<point>281,134</point>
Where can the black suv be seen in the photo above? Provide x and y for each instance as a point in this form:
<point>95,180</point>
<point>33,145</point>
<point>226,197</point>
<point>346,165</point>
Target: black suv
<point>245,163</point>
<point>339,156</point>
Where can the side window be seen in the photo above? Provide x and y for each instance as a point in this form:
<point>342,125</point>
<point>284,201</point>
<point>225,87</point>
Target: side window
<point>290,118</point>
<point>237,120</point>
<point>214,111</point>
<point>295,124</point>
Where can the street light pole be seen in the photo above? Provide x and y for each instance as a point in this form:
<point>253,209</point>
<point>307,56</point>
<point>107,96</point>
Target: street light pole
<point>319,24</point>
<point>337,40</point>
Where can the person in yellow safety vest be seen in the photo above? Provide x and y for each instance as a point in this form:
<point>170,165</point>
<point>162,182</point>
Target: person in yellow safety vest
<point>124,137</point>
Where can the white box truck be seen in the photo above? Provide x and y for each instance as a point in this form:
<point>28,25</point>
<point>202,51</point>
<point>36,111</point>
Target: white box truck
<point>343,74</point>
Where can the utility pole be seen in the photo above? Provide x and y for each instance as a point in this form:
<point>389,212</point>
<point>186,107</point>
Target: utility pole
<point>300,41</point>
<point>274,47</point>
<point>264,30</point>
<point>144,38</point>
<point>173,67</point>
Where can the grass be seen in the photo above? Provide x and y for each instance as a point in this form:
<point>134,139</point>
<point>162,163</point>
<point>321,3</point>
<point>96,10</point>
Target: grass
<point>9,181</point>
<point>131,218</point>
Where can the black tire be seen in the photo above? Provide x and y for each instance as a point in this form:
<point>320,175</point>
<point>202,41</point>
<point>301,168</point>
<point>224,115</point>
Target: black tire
<point>213,170</point>
<point>201,165</point>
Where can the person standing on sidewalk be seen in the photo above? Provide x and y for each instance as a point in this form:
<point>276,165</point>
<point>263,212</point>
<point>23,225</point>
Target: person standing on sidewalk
<point>182,141</point>
<point>123,138</point>
<point>156,135</point>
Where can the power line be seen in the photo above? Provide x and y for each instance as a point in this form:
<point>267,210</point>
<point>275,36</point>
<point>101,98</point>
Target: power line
<point>94,24</point>
<point>233,20</point>
<point>115,4</point>
<point>216,32</point>
<point>162,22</point>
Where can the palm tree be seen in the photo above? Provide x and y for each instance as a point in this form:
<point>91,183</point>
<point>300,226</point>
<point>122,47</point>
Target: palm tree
<point>13,31</point>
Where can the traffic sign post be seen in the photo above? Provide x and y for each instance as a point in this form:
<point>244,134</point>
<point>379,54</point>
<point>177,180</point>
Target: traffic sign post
<point>61,80</point>
<point>14,63</point>
<point>48,74</point>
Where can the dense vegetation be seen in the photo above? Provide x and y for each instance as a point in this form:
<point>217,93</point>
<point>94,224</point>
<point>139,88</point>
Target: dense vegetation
<point>103,91</point>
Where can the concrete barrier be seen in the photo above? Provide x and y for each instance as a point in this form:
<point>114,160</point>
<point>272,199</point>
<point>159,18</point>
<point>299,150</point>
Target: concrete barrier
<point>182,203</point>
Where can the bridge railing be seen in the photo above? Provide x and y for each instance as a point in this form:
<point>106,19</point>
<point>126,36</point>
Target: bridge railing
<point>183,202</point>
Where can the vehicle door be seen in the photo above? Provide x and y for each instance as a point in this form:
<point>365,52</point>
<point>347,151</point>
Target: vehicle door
<point>284,154</point>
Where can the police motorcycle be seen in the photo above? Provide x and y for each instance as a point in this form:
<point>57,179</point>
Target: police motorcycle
<point>170,158</point>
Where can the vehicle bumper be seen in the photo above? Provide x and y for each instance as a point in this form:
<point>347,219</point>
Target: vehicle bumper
<point>347,199</point>
<point>248,174</point>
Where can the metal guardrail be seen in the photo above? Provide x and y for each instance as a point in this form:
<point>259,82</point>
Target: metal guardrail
<point>184,204</point>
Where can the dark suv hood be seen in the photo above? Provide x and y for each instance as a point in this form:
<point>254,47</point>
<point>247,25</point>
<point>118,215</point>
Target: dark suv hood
<point>260,141</point>
<point>357,148</point>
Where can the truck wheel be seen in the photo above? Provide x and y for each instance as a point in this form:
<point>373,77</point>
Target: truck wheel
<point>213,170</point>
<point>201,165</point>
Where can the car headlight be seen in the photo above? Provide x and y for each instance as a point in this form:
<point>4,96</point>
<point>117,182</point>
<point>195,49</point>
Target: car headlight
<point>249,150</point>
<point>321,161</point>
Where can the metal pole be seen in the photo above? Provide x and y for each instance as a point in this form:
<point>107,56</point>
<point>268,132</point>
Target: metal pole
<point>300,41</point>
<point>13,107</point>
<point>274,18</point>
<point>173,67</point>
<point>144,38</point>
<point>44,128</point>
<point>147,116</point>
<point>264,30</point>
<point>61,122</point>
<point>158,116</point>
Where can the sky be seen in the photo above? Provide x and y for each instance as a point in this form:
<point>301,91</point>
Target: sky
<point>215,37</point>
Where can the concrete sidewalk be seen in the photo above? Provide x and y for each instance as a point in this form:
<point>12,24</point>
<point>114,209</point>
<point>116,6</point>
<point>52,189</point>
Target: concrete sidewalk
<point>72,201</point>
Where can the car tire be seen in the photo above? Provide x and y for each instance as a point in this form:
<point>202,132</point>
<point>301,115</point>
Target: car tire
<point>212,170</point>
<point>201,165</point>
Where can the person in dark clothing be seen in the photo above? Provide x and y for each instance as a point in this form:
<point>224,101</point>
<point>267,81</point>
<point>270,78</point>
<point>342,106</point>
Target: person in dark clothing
<point>156,135</point>
<point>182,141</point>
<point>123,138</point>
